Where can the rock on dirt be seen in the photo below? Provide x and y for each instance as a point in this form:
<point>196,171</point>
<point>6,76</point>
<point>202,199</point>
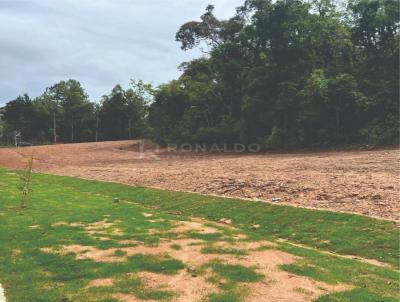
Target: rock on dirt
<point>225,221</point>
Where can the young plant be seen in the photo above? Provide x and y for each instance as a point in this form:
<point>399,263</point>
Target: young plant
<point>26,182</point>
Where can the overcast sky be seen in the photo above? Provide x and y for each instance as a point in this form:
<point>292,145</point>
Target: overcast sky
<point>98,42</point>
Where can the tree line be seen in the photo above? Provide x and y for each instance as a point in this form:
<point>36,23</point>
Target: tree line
<point>283,74</point>
<point>64,113</point>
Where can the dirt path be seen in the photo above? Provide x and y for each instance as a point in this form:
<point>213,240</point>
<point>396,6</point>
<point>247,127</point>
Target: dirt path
<point>365,182</point>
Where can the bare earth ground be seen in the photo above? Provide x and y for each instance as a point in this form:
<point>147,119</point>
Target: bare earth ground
<point>364,182</point>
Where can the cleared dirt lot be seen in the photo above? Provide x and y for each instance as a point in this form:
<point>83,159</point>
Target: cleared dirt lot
<point>364,182</point>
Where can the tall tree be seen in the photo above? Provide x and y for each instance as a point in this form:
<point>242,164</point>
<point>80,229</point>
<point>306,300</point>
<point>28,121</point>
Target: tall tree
<point>75,105</point>
<point>18,114</point>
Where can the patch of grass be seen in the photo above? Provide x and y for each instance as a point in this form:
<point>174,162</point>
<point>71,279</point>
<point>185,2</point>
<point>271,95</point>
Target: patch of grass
<point>226,296</point>
<point>119,253</point>
<point>176,247</point>
<point>135,286</point>
<point>132,286</point>
<point>205,236</point>
<point>334,270</point>
<point>141,262</point>
<point>235,273</point>
<point>156,295</point>
<point>219,250</point>
<point>358,294</point>
<point>156,264</point>
<point>263,248</point>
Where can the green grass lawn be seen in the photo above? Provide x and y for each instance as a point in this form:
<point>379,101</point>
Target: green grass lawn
<point>40,258</point>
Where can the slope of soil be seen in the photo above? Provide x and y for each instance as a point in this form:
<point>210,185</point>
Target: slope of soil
<point>364,182</point>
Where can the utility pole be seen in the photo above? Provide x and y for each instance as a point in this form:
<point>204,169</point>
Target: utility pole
<point>97,127</point>
<point>72,128</point>
<point>130,129</point>
<point>54,126</point>
<point>55,108</point>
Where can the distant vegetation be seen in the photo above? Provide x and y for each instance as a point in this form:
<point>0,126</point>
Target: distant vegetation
<point>63,113</point>
<point>288,74</point>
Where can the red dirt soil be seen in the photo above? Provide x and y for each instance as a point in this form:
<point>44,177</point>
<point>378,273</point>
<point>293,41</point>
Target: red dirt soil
<point>364,182</point>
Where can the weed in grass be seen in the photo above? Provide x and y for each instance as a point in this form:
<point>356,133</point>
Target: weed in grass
<point>176,247</point>
<point>304,291</point>
<point>194,272</point>
<point>120,253</point>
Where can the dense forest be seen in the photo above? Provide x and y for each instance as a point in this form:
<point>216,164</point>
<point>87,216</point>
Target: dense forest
<point>282,74</point>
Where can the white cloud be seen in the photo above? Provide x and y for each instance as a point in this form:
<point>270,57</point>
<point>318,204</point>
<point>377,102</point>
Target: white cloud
<point>100,43</point>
